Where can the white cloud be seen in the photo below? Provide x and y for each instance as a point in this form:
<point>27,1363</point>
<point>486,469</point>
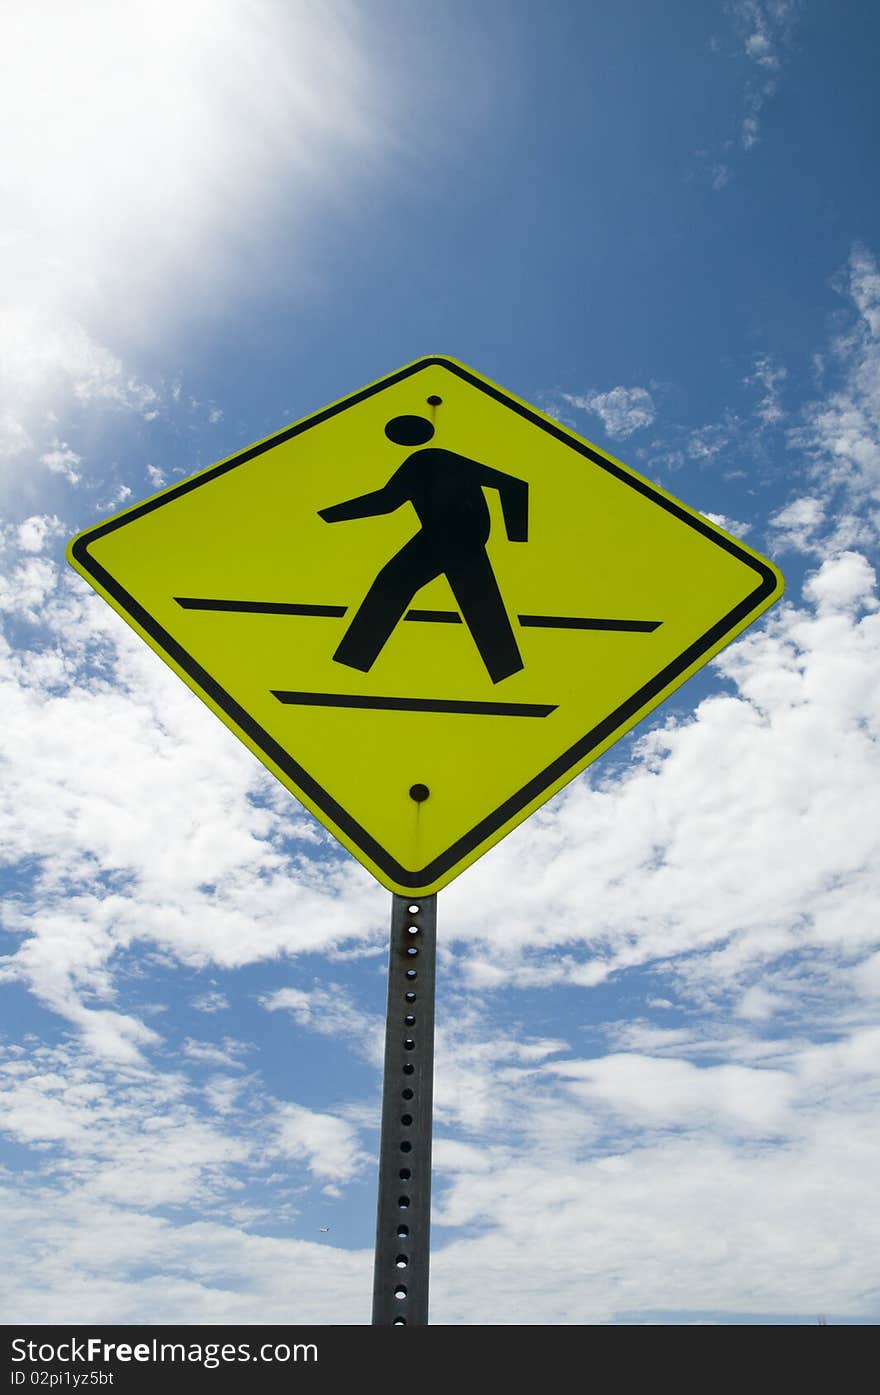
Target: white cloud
<point>759,1005</point>
<point>119,496</point>
<point>759,1170</point>
<point>24,589</point>
<point>867,976</point>
<point>486,1076</point>
<point>769,377</point>
<point>33,352</point>
<point>799,522</point>
<point>775,1230</point>
<point>841,431</point>
<point>730,525</point>
<point>832,440</point>
<point>111,1147</point>
<point>327,1144</point>
<point>672,1093</point>
<point>621,410</point>
<point>764,29</point>
<point>71,1260</point>
<point>33,534</point>
<point>209,1054</point>
<point>710,440</point>
<point>48,359</point>
<point>759,48</point>
<point>61,460</point>
<point>129,1136</point>
<point>211,1002</point>
<point>329,1010</point>
<point>843,583</point>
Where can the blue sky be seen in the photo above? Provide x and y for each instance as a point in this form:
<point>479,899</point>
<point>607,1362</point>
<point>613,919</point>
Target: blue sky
<point>656,1087</point>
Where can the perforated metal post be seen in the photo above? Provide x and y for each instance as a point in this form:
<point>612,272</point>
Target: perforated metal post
<point>403,1224</point>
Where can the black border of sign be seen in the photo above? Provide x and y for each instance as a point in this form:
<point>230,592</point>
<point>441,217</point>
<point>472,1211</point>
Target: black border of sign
<point>424,876</point>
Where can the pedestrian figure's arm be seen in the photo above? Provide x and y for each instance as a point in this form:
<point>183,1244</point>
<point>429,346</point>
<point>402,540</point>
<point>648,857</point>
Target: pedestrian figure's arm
<point>514,502</point>
<point>384,500</point>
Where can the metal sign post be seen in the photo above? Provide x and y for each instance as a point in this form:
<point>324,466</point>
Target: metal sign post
<point>403,1222</point>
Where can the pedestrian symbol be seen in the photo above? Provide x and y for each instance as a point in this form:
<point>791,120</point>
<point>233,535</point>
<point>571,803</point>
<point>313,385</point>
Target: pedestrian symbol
<point>426,608</point>
<point>446,491</point>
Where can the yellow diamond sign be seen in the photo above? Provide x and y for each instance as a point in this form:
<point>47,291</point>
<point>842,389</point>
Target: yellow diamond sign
<point>426,608</point>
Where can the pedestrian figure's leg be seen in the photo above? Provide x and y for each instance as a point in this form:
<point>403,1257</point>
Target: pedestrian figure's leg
<point>476,590</point>
<point>384,605</point>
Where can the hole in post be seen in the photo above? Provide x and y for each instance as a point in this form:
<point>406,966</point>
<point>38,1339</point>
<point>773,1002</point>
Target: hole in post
<point>401,1262</point>
<point>410,997</point>
<point>407,1094</point>
<point>411,951</point>
<point>399,1322</point>
<point>400,1291</point>
<point>409,1068</point>
<point>404,1174</point>
<point>403,1202</point>
<point>402,1232</point>
<point>406,1146</point>
<point>413,910</point>
<point>409,1044</point>
<point>406,1120</point>
<point>412,973</point>
<point>409,1019</point>
<point>412,929</point>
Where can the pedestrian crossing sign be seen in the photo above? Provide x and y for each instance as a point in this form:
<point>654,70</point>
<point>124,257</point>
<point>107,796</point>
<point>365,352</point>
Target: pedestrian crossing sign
<point>426,608</point>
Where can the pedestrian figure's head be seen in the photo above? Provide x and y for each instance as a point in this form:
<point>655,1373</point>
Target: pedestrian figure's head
<point>409,431</point>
